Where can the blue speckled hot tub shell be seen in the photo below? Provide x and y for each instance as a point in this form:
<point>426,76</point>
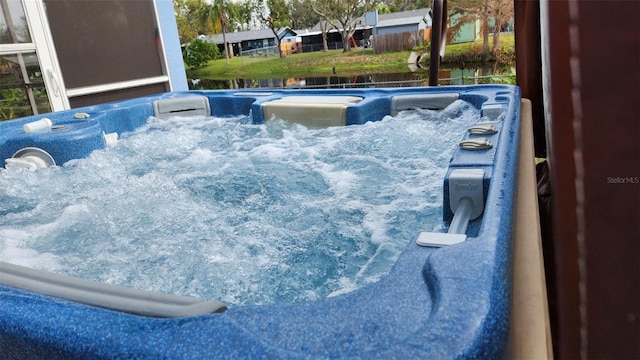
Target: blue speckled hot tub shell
<point>450,302</point>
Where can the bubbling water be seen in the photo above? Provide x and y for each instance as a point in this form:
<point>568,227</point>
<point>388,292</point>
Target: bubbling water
<point>246,214</point>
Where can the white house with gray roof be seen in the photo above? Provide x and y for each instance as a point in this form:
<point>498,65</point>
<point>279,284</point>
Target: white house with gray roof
<point>394,22</point>
<point>311,39</point>
<point>403,21</point>
<point>248,40</point>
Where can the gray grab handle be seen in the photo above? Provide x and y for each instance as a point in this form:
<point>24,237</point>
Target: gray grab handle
<point>103,295</point>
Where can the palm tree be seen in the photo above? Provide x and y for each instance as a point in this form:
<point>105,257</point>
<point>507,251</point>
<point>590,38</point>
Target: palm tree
<point>216,13</point>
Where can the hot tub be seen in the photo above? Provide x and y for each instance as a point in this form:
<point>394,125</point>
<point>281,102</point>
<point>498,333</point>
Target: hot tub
<point>446,296</point>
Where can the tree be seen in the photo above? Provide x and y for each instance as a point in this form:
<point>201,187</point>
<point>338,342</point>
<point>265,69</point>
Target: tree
<point>217,15</point>
<point>341,14</point>
<point>324,28</point>
<point>503,12</point>
<point>301,16</point>
<point>274,14</point>
<point>188,19</point>
<point>487,11</point>
<point>404,5</point>
<point>240,15</point>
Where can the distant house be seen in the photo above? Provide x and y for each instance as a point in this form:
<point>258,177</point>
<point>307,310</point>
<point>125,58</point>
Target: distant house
<point>399,22</point>
<point>403,21</point>
<point>472,30</point>
<point>241,41</point>
<point>311,40</point>
<point>467,32</point>
<point>394,22</point>
<point>293,41</point>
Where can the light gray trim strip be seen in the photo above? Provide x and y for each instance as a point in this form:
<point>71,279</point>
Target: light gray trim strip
<point>100,88</point>
<point>118,298</point>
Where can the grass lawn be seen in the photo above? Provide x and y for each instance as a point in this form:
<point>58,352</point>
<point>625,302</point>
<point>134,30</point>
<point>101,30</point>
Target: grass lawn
<point>507,43</point>
<point>356,62</point>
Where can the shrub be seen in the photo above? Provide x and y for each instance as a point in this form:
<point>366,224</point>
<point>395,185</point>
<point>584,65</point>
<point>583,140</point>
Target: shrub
<point>425,48</point>
<point>198,53</point>
<point>13,103</point>
<point>508,78</point>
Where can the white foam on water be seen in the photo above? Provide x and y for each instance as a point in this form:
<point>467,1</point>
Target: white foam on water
<point>246,214</point>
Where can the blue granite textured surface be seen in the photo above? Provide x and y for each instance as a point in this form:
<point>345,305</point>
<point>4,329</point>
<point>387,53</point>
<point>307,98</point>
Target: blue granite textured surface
<point>436,303</point>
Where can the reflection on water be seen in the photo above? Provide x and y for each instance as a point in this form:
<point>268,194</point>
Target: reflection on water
<point>447,76</point>
<point>369,80</point>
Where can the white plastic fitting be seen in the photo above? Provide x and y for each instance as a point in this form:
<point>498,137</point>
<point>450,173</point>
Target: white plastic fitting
<point>29,162</point>
<point>434,239</point>
<point>43,124</point>
<point>31,158</point>
<point>110,139</point>
<point>466,201</point>
<point>483,129</point>
<point>467,183</point>
<point>474,144</point>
